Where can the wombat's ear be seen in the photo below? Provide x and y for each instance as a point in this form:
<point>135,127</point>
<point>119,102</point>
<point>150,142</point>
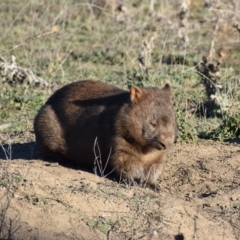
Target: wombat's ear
<point>167,87</point>
<point>136,94</point>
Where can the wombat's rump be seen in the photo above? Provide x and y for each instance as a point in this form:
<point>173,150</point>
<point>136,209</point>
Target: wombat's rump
<point>87,121</point>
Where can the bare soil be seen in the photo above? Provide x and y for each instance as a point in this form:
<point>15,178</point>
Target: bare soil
<point>199,197</point>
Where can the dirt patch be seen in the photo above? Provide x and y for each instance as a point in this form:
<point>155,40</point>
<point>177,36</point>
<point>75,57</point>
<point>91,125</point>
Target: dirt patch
<point>199,197</point>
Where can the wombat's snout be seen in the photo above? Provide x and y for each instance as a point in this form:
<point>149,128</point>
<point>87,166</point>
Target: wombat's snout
<point>161,146</point>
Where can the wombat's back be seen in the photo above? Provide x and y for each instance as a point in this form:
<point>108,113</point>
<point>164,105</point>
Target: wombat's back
<point>76,116</point>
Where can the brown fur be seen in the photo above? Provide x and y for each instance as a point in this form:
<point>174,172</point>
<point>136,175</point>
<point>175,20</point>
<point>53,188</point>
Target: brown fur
<point>137,127</point>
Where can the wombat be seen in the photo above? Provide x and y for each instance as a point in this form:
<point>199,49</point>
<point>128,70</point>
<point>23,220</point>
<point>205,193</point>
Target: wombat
<point>98,125</point>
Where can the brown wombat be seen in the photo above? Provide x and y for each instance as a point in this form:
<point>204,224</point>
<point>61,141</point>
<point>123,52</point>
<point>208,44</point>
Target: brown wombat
<point>90,122</point>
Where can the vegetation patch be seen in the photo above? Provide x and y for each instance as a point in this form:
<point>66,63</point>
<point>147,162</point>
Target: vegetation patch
<point>229,128</point>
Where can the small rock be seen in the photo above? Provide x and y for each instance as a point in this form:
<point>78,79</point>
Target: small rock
<point>233,198</point>
<point>206,205</point>
<point>155,234</point>
<point>212,204</point>
<point>54,164</point>
<point>17,195</point>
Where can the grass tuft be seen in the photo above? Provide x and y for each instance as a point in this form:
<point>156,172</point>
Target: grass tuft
<point>229,128</point>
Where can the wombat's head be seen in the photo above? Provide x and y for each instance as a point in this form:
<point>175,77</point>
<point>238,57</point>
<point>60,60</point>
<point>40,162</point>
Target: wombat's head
<point>150,118</point>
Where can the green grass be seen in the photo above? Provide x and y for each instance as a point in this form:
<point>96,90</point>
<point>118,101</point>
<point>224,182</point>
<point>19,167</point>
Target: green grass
<point>228,129</point>
<point>103,224</point>
<point>82,46</point>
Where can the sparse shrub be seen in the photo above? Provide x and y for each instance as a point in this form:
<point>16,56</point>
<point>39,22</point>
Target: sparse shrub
<point>211,79</point>
<point>137,78</point>
<point>186,130</point>
<point>229,128</point>
<point>103,224</point>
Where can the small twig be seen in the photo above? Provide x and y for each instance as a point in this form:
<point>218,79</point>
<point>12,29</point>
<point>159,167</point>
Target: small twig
<point>151,6</point>
<point>145,57</point>
<point>37,36</point>
<point>98,160</point>
<point>237,27</point>
<point>60,201</point>
<point>183,24</point>
<point>6,125</point>
<point>109,155</point>
<point>8,151</point>
<point>212,46</point>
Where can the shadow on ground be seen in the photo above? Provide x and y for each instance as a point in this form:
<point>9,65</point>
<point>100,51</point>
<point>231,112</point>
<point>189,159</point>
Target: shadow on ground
<point>179,237</point>
<point>234,140</point>
<point>29,151</point>
<point>26,151</point>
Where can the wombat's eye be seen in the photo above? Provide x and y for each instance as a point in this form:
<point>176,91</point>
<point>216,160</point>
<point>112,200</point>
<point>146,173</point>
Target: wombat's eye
<point>153,124</point>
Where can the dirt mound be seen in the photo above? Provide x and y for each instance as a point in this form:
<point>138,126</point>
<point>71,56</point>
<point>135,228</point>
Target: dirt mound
<point>199,197</point>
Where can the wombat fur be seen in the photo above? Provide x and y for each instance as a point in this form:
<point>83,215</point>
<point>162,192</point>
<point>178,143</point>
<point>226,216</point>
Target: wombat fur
<point>91,123</point>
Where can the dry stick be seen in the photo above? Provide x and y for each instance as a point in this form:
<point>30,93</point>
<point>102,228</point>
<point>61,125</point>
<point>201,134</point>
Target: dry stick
<point>61,63</point>
<point>148,176</point>
<point>151,6</point>
<point>37,36</point>
<point>15,19</point>
<point>98,160</point>
<point>110,152</point>
<point>145,58</point>
<point>163,47</point>
<point>212,49</point>
<point>209,79</point>
<point>60,201</point>
<point>6,125</point>
<point>183,26</point>
<point>237,27</point>
<point>90,6</point>
<point>7,152</point>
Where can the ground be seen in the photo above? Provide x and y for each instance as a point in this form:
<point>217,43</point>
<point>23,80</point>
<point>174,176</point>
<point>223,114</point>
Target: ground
<point>198,198</point>
<point>192,45</point>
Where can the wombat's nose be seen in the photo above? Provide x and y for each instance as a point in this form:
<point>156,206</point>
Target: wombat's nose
<point>163,145</point>
<point>160,146</point>
<point>168,142</point>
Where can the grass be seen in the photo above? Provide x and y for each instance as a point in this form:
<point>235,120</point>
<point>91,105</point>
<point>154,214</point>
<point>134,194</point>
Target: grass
<point>229,128</point>
<point>60,41</point>
<point>103,224</point>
